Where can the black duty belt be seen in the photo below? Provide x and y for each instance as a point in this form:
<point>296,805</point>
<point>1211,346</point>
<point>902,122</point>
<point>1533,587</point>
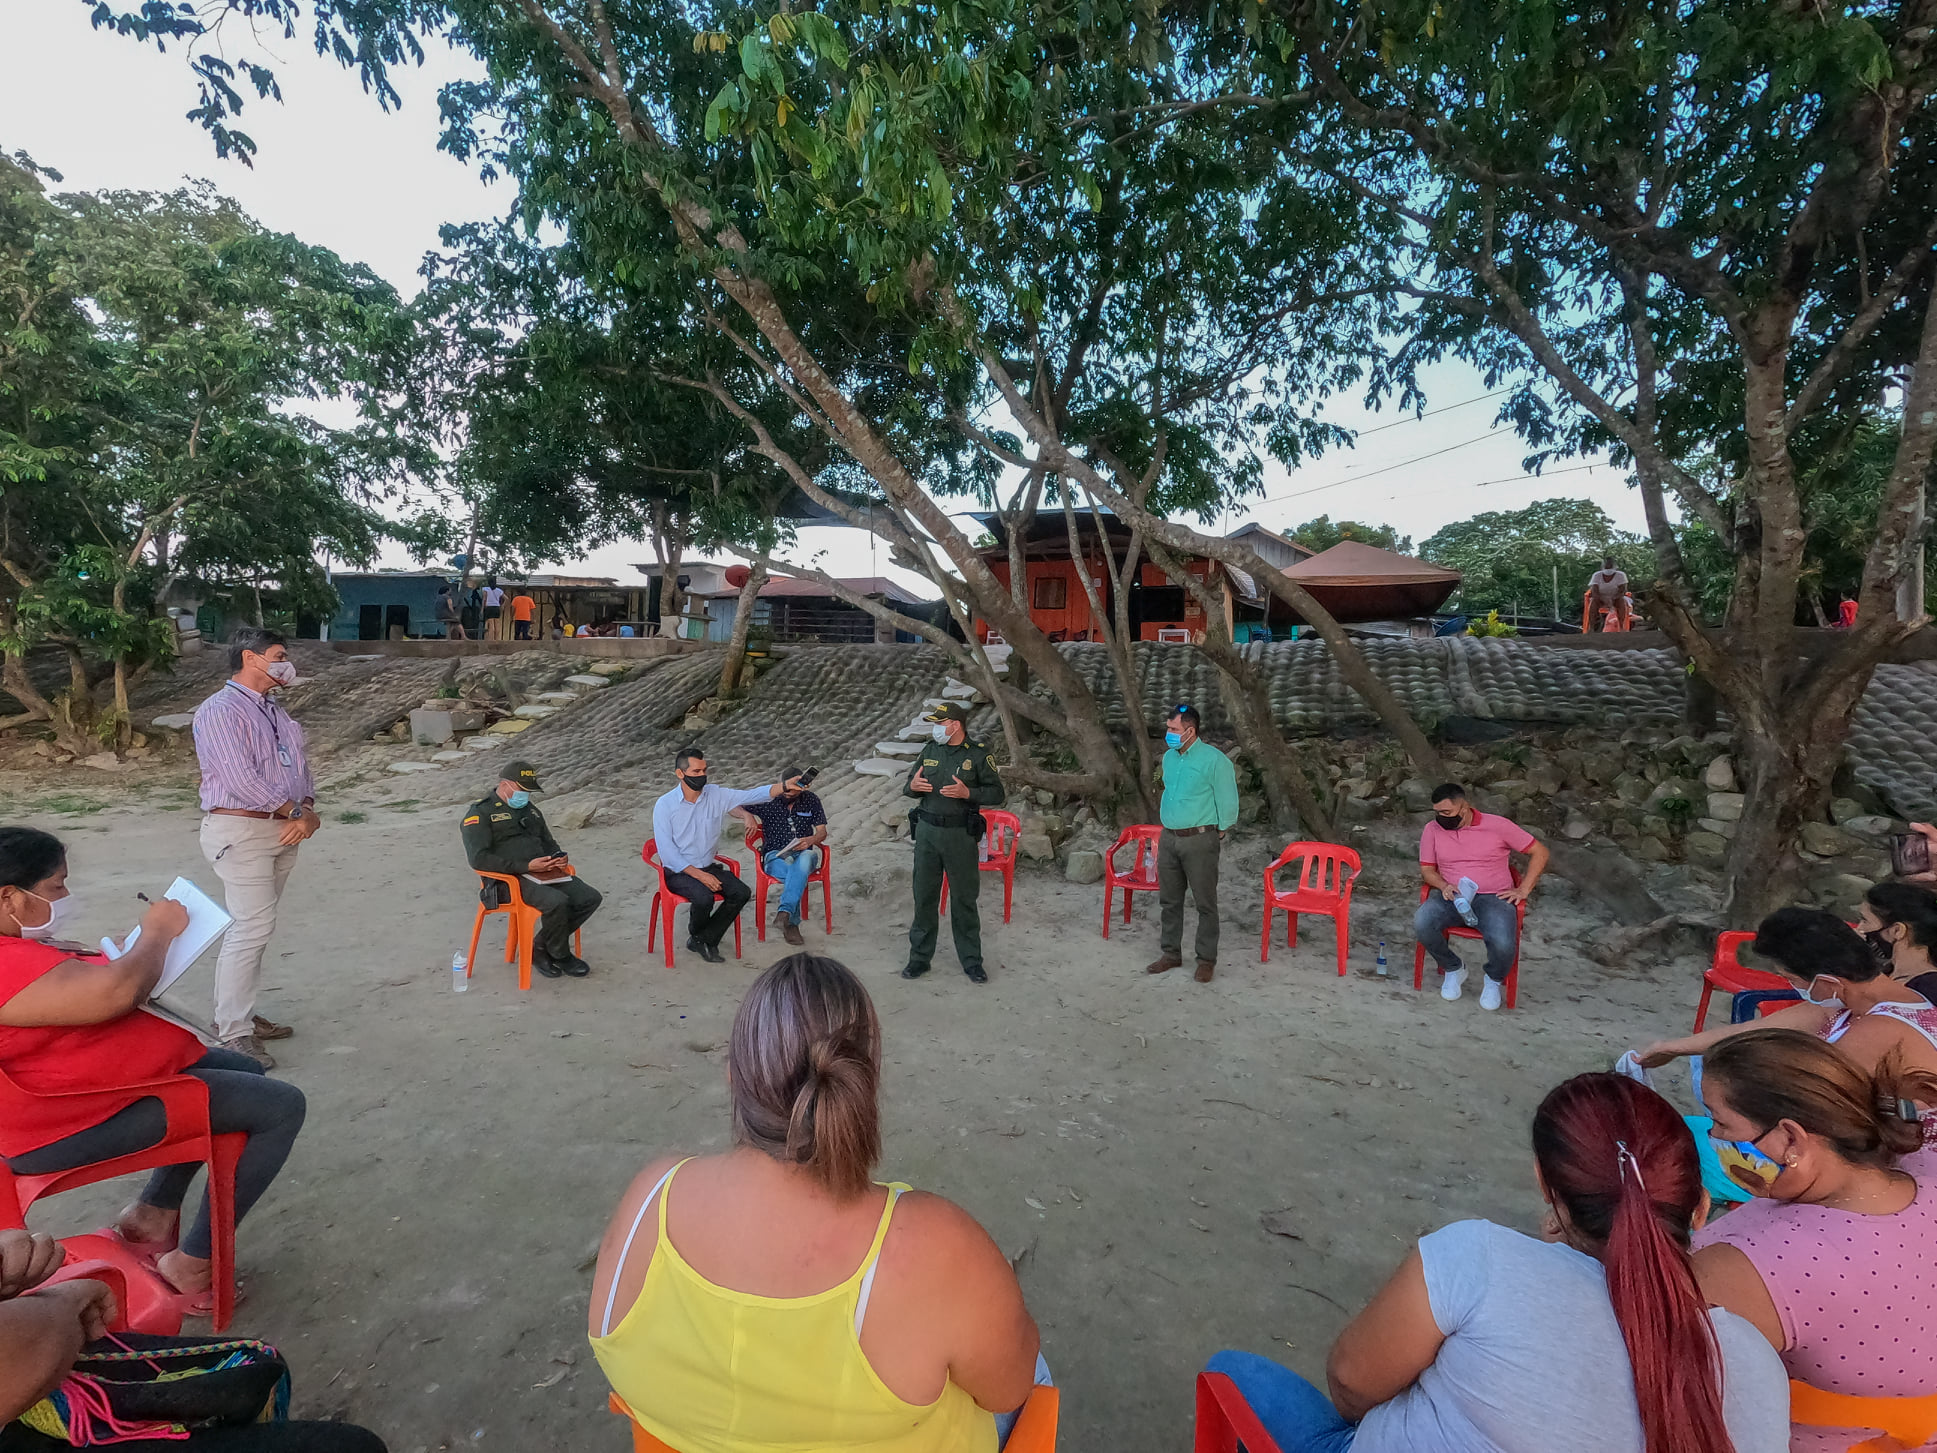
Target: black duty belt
<point>959,820</point>
<point>1188,831</point>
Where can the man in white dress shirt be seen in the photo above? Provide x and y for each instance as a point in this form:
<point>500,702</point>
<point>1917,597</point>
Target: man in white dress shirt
<point>686,826</point>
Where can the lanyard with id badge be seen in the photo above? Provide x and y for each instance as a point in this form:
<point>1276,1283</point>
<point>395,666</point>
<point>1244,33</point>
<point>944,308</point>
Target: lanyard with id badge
<point>282,747</point>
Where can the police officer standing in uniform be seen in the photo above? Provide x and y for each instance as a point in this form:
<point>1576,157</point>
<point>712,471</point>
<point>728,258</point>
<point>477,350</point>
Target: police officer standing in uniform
<point>506,833</point>
<point>953,779</point>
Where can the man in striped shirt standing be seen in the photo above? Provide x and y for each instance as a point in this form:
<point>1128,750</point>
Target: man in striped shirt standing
<point>258,801</point>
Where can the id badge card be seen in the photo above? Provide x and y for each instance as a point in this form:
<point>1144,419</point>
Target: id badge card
<point>282,754</point>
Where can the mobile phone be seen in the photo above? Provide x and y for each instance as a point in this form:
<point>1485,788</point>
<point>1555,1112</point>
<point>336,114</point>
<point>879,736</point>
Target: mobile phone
<point>807,777</point>
<point>1909,853</point>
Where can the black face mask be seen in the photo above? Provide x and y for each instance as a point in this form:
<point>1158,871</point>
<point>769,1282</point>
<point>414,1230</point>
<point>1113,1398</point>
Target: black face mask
<point>698,784</point>
<point>1881,949</point>
<point>1451,824</point>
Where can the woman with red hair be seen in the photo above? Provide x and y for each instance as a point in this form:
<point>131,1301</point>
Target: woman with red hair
<point>1593,1339</point>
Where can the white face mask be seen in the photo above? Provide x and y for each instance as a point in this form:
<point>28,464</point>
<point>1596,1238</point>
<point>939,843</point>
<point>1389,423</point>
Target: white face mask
<point>940,732</point>
<point>283,673</point>
<point>58,912</point>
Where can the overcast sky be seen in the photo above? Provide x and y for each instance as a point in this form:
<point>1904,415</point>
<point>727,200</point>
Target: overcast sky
<point>337,171</point>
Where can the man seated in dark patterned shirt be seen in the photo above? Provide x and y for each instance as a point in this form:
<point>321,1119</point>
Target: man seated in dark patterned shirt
<point>793,835</point>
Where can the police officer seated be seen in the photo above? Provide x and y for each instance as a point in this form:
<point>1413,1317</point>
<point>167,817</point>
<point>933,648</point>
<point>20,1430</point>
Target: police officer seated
<point>506,833</point>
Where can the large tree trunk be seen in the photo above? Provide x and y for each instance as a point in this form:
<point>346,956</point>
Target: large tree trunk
<point>669,544</point>
<point>13,675</point>
<point>736,646</point>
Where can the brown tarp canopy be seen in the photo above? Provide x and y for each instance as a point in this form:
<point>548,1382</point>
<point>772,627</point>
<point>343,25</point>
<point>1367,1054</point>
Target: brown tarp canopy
<point>1359,582</point>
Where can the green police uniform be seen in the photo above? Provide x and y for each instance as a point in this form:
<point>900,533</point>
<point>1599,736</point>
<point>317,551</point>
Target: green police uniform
<point>946,845</point>
<point>500,838</point>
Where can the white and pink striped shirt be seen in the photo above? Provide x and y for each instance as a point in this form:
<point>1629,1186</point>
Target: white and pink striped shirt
<point>251,752</point>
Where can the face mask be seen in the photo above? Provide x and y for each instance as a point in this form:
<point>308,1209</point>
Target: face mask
<point>518,799</point>
<point>698,784</point>
<point>940,733</point>
<point>283,673</point>
<point>1173,740</point>
<point>1451,824</point>
<point>1881,949</point>
<point>58,911</point>
<point>1744,1163</point>
<point>1828,1001</point>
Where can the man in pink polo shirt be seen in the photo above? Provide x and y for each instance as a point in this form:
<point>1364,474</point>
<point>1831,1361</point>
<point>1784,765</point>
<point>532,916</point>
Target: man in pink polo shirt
<point>1464,854</point>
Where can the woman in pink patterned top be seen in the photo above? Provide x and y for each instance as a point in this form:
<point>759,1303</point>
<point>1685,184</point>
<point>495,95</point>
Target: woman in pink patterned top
<point>1849,1000</point>
<point>1827,1260</point>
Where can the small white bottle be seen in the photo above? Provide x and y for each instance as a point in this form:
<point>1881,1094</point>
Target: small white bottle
<point>460,980</point>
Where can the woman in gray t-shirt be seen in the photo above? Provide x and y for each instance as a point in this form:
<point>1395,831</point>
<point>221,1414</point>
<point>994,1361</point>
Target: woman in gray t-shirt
<point>1594,1340</point>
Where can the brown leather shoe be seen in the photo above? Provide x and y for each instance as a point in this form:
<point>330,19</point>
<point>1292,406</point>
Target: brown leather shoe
<point>269,1029</point>
<point>789,931</point>
<point>1205,968</point>
<point>1163,965</point>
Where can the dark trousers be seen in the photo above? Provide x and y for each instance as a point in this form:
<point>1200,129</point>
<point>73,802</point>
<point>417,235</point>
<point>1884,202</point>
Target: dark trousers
<point>240,1097</point>
<point>564,906</point>
<point>256,1438</point>
<point>521,630</point>
<point>943,850</point>
<point>1187,862</point>
<point>709,921</point>
<point>1499,931</point>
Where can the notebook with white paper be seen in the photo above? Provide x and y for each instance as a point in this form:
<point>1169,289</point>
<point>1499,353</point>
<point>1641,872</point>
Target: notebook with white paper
<point>207,921</point>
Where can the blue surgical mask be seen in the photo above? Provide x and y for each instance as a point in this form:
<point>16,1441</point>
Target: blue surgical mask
<point>1173,740</point>
<point>518,799</point>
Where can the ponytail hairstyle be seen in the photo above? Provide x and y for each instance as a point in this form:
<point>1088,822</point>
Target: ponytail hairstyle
<point>1771,1075</point>
<point>1620,1162</point>
<point>804,1071</point>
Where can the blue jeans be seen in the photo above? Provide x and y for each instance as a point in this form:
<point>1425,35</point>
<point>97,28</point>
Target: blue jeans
<point>1499,929</point>
<point>1296,1414</point>
<point>793,873</point>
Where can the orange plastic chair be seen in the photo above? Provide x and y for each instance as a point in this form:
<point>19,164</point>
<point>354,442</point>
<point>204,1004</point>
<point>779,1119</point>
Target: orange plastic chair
<point>1905,1422</point>
<point>1225,1421</point>
<point>1460,930</point>
<point>184,1103</point>
<point>1004,828</point>
<point>1326,876</point>
<point>1142,876</point>
<point>667,901</point>
<point>1729,974</point>
<point>520,926</point>
<point>763,880</point>
<point>1034,1432</point>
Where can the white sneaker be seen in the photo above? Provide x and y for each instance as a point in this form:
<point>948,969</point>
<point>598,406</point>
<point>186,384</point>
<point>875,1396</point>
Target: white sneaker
<point>1490,994</point>
<point>1452,983</point>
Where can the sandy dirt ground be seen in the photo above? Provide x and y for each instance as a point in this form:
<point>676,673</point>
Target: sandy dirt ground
<point>424,1259</point>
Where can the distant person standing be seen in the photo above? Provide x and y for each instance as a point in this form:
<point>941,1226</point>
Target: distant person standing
<point>952,780</point>
<point>259,805</point>
<point>1607,592</point>
<point>1846,613</point>
<point>523,608</point>
<point>448,614</point>
<point>1200,805</point>
<point>493,599</point>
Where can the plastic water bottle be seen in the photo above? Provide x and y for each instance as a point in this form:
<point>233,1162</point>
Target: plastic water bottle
<point>460,981</point>
<point>1380,966</point>
<point>1466,888</point>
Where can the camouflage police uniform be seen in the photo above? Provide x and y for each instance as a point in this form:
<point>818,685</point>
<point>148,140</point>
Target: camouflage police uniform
<point>500,838</point>
<point>947,835</point>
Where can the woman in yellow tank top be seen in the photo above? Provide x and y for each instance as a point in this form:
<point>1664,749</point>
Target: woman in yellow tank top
<point>774,1298</point>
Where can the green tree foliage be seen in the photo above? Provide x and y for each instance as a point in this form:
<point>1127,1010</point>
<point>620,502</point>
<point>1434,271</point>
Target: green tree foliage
<point>1323,533</point>
<point>153,385</point>
<point>1507,558</point>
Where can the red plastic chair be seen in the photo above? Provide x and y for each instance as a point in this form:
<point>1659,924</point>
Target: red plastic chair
<point>1326,876</point>
<point>520,926</point>
<point>668,901</point>
<point>1004,827</point>
<point>1460,930</point>
<point>1225,1421</point>
<point>1729,974</point>
<point>184,1102</point>
<point>762,880</point>
<point>1142,877</point>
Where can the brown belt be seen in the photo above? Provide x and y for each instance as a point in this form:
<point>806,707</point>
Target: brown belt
<point>241,812</point>
<point>1188,831</point>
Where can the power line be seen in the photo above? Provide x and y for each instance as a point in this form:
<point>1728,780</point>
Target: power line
<point>1510,479</point>
<point>1443,409</point>
<point>1374,474</point>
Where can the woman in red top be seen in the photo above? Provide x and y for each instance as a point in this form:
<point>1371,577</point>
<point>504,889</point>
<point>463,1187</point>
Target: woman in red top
<point>71,1020</point>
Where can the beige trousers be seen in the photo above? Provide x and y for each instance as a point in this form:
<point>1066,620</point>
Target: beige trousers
<point>253,866</point>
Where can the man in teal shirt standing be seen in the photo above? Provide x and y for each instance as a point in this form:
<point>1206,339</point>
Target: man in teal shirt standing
<point>1200,805</point>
